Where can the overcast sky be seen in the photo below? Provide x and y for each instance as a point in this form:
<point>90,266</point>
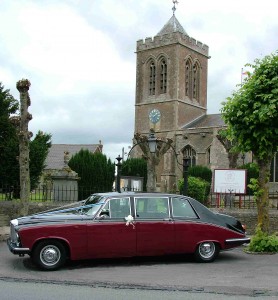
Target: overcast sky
<point>79,56</point>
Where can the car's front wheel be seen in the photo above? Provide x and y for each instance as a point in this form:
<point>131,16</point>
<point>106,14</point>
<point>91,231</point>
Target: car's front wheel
<point>49,255</point>
<point>206,252</point>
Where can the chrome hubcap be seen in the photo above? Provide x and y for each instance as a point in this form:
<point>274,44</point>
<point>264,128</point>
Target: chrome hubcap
<point>207,249</point>
<point>50,255</point>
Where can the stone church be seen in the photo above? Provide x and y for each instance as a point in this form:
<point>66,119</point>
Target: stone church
<point>171,99</point>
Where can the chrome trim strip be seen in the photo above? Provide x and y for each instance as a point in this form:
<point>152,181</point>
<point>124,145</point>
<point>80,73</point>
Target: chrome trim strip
<point>238,240</point>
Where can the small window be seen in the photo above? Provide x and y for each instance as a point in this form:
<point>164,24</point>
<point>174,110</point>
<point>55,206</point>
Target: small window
<point>116,208</point>
<point>152,208</point>
<point>182,209</point>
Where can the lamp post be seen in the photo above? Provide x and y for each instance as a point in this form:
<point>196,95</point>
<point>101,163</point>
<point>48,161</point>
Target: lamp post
<point>119,171</point>
<point>186,164</point>
<point>153,149</point>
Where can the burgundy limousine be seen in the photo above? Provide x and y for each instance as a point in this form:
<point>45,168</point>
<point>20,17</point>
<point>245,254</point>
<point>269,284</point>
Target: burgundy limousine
<point>124,225</point>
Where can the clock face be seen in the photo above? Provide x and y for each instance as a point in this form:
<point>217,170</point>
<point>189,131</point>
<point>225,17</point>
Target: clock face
<point>154,115</point>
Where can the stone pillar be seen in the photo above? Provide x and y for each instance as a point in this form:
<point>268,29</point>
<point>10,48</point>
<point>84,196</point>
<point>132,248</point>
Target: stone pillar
<point>65,183</point>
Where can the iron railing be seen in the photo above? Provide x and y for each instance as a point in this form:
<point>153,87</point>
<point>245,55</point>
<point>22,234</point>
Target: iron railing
<point>68,195</point>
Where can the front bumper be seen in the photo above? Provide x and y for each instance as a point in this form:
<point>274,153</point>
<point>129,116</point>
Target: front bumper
<point>17,250</point>
<point>238,241</point>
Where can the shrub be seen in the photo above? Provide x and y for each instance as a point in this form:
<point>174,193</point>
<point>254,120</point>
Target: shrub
<point>197,188</point>
<point>202,172</point>
<point>262,242</point>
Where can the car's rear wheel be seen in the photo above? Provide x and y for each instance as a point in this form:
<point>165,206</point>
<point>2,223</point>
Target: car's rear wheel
<point>206,252</point>
<point>49,255</point>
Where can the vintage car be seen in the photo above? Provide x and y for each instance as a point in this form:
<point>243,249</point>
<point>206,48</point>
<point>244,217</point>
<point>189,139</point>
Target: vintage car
<point>125,225</point>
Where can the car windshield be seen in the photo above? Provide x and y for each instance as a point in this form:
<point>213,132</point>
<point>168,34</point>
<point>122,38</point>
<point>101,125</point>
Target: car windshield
<point>92,204</point>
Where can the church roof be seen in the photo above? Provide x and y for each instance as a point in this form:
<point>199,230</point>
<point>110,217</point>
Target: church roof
<point>55,157</point>
<point>214,120</point>
<point>173,25</point>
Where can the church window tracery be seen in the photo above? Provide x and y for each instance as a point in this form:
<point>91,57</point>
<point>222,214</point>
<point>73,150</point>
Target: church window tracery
<point>191,153</point>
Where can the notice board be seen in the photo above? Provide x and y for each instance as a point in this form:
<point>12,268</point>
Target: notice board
<point>226,181</point>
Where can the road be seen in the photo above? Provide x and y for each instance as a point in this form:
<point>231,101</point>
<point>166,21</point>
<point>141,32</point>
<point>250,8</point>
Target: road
<point>234,274</point>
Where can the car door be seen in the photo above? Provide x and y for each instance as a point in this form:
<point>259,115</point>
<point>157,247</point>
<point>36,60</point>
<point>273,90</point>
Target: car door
<point>154,227</point>
<point>188,229</point>
<point>108,235</point>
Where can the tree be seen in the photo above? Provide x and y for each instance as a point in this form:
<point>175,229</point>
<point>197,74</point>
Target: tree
<point>251,114</point>
<point>233,154</point>
<point>39,148</point>
<point>24,137</point>
<point>153,159</point>
<point>96,173</point>
<point>9,146</point>
<point>9,172</point>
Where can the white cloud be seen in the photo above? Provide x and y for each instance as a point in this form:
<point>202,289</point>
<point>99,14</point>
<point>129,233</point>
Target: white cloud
<point>79,57</point>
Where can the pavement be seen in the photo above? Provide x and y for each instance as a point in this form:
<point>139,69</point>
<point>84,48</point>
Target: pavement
<point>4,233</point>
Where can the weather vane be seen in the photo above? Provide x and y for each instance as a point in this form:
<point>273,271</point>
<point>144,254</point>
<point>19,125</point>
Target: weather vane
<point>174,7</point>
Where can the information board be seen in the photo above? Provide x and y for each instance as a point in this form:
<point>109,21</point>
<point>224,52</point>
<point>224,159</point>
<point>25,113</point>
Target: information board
<point>226,181</point>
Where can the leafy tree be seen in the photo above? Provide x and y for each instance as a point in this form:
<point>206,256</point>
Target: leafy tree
<point>136,167</point>
<point>39,148</point>
<point>251,114</point>
<point>9,151</point>
<point>96,173</point>
<point>9,145</point>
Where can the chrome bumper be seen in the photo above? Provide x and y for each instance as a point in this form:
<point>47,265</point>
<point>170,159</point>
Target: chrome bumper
<point>17,250</point>
<point>238,241</point>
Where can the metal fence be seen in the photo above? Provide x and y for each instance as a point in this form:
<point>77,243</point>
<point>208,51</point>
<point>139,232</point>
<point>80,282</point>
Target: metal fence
<point>67,195</point>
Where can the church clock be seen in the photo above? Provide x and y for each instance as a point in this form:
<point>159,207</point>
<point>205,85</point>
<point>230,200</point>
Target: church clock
<point>154,115</point>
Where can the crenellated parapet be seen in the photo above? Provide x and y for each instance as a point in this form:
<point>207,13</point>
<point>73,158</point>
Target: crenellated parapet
<point>172,38</point>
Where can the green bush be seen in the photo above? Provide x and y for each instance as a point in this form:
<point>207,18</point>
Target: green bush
<point>202,172</point>
<point>262,242</point>
<point>197,188</point>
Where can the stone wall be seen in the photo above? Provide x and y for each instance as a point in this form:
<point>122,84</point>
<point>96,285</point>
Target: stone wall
<point>9,210</point>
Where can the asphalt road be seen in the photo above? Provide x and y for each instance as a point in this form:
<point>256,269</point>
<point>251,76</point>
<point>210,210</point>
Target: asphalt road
<point>234,273</point>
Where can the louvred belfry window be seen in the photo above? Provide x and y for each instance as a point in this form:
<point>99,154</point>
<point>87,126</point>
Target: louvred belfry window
<point>163,77</point>
<point>188,79</point>
<point>152,79</point>
<point>196,82</point>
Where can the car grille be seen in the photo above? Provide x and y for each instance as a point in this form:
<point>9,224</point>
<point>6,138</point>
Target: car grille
<point>13,234</point>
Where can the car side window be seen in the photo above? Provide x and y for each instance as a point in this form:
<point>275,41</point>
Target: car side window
<point>117,208</point>
<point>152,208</point>
<point>182,209</point>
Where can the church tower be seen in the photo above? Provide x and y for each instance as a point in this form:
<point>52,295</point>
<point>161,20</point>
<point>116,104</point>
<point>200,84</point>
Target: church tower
<point>171,80</point>
<point>171,89</point>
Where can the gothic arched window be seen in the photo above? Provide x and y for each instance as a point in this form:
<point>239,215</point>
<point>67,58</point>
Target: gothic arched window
<point>196,81</point>
<point>152,78</point>
<point>188,78</point>
<point>163,76</point>
<point>191,153</point>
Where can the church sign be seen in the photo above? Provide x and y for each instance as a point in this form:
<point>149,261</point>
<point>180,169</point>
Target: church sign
<point>226,181</point>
